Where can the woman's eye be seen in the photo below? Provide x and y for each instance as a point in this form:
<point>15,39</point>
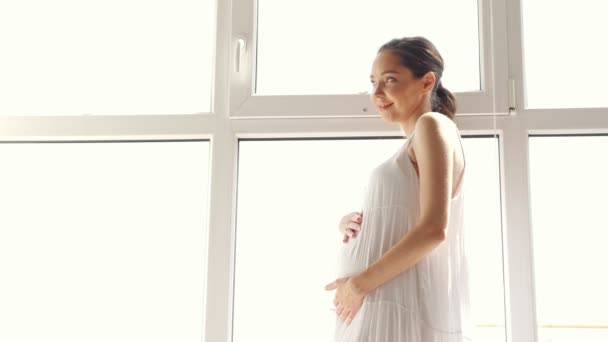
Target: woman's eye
<point>390,80</point>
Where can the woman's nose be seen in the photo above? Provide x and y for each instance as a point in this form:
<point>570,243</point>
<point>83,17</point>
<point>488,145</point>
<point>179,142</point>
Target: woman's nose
<point>377,89</point>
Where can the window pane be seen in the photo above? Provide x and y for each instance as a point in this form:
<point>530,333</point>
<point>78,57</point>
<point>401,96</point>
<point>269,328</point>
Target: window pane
<point>327,47</point>
<point>568,38</point>
<point>568,191</point>
<point>106,57</point>
<point>103,241</point>
<point>291,196</point>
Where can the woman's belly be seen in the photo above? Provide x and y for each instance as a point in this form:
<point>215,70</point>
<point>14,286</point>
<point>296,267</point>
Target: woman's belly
<point>381,228</point>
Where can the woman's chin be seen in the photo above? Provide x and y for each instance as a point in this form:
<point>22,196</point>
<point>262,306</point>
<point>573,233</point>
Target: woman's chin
<point>387,116</point>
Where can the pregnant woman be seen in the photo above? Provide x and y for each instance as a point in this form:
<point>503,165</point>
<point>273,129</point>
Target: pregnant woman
<point>403,268</point>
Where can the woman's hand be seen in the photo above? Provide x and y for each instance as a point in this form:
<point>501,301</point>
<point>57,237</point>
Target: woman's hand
<point>350,225</point>
<point>348,299</point>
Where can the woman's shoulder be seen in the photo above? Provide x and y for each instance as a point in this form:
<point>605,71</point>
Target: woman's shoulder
<point>436,116</point>
<point>434,121</point>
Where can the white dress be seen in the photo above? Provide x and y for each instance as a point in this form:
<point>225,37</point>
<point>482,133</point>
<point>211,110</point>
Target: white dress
<point>430,301</point>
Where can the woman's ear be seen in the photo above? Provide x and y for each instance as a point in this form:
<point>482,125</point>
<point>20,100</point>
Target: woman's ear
<point>429,80</point>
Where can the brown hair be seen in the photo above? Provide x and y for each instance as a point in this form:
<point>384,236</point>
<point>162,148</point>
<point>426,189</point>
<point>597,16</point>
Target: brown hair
<point>420,56</point>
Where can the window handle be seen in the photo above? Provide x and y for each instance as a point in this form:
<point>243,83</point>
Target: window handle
<point>239,52</point>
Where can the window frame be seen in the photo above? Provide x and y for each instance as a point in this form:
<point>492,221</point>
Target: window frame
<point>232,119</point>
<point>492,98</point>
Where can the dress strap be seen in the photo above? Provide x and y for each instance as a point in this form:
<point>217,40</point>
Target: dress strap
<point>408,140</point>
<point>464,166</point>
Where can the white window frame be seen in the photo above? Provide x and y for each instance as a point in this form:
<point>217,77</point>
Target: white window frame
<point>244,104</point>
<point>236,114</point>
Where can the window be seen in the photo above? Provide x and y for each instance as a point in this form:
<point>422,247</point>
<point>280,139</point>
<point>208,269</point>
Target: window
<point>568,191</point>
<point>103,241</point>
<point>291,195</point>
<point>564,61</point>
<point>111,57</point>
<point>334,55</point>
<point>307,59</point>
<point>151,73</point>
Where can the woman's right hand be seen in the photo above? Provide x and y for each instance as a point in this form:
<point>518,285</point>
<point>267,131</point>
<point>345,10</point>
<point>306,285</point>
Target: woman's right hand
<point>350,225</point>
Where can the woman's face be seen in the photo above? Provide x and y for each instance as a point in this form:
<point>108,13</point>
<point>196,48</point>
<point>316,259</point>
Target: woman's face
<point>397,94</point>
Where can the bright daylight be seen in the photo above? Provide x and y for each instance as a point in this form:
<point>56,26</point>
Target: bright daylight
<point>303,171</point>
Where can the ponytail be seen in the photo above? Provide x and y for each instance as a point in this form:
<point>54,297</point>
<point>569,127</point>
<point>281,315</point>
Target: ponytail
<point>444,102</point>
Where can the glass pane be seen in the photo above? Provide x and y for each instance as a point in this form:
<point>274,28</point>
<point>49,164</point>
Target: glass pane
<point>116,57</point>
<point>327,47</point>
<point>568,191</point>
<point>103,241</point>
<point>291,195</point>
<point>565,63</point>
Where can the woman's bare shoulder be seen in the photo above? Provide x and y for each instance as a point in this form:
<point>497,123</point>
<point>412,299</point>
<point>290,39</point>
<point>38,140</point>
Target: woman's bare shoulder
<point>433,122</point>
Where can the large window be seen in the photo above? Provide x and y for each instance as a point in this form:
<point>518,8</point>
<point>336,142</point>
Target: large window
<point>106,57</point>
<point>114,116</point>
<point>292,193</point>
<point>103,241</point>
<point>569,187</point>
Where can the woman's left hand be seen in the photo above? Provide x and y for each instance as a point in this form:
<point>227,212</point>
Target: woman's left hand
<point>348,299</point>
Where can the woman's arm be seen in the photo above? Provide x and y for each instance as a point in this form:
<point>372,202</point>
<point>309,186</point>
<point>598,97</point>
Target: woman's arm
<point>434,150</point>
